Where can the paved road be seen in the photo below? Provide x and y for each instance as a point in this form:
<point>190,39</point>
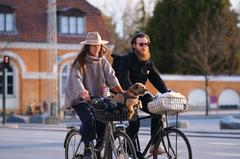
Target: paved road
<point>215,148</point>
<point>208,141</point>
<point>27,143</point>
<point>31,144</point>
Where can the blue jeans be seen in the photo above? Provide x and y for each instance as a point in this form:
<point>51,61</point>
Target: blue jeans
<point>89,129</point>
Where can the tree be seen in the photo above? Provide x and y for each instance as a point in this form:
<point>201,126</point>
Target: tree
<point>212,47</point>
<point>172,24</point>
<point>196,37</point>
<point>132,16</point>
<point>134,19</point>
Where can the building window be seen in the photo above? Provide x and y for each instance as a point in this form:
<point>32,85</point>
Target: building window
<point>6,22</point>
<point>10,82</point>
<point>6,19</point>
<point>64,76</point>
<point>71,25</point>
<point>71,21</point>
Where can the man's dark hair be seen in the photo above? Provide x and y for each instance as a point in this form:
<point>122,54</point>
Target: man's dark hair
<point>139,35</point>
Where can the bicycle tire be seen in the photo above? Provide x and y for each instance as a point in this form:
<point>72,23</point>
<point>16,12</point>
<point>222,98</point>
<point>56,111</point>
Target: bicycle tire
<point>176,145</point>
<point>122,147</point>
<point>73,140</point>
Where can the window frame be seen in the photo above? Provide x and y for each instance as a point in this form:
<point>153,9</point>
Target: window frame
<point>7,11</point>
<point>72,15</point>
<point>10,73</point>
<point>64,74</point>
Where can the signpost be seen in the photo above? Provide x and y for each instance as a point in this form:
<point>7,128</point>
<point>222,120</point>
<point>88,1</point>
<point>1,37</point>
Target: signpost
<point>5,65</point>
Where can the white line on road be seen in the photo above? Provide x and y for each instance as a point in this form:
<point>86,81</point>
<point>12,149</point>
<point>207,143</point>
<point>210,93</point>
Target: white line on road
<point>225,143</point>
<point>225,154</point>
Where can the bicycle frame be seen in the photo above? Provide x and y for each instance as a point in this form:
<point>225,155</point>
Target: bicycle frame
<point>157,136</point>
<point>108,136</point>
<point>115,141</point>
<point>110,128</point>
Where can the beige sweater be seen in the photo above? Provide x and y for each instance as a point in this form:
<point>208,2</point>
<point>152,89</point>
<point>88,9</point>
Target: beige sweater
<point>98,71</point>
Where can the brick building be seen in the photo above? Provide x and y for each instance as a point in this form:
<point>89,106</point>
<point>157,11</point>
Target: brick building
<point>23,37</point>
<point>30,82</point>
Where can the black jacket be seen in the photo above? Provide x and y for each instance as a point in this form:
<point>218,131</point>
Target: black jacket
<point>131,70</point>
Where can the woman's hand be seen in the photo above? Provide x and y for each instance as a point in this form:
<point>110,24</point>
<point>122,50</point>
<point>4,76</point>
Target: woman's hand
<point>85,95</point>
<point>118,89</point>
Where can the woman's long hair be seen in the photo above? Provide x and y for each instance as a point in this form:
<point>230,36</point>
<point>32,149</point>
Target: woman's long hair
<point>80,59</point>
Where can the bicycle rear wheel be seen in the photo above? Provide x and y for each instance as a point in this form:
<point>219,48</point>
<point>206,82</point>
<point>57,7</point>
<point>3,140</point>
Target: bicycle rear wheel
<point>74,147</point>
<point>175,144</point>
<point>122,148</point>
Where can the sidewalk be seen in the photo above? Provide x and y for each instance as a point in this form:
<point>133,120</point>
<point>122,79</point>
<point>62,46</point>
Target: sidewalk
<point>195,114</point>
<point>213,113</point>
<point>197,122</point>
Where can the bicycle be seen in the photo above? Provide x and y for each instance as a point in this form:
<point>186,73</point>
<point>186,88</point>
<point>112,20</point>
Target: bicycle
<point>116,143</point>
<point>170,139</point>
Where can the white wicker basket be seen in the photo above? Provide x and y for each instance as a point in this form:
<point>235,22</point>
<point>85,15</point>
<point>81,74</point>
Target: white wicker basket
<point>169,105</point>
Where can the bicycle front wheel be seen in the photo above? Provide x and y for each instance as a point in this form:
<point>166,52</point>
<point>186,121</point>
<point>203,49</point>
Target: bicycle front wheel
<point>122,147</point>
<point>74,147</point>
<point>174,145</point>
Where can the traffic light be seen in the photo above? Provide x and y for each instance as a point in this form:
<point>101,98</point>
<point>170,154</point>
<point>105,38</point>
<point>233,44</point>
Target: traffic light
<point>6,61</point>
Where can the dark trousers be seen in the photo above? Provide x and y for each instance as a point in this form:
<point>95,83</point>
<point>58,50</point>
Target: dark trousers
<point>89,127</point>
<point>156,121</point>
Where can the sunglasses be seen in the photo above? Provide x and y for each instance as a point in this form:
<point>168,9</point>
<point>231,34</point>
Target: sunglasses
<point>143,44</point>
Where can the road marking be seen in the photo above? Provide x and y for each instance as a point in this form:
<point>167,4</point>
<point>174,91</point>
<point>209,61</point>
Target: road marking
<point>226,154</point>
<point>225,143</point>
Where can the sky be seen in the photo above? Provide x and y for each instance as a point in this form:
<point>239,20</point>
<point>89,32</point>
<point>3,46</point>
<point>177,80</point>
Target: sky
<point>114,8</point>
<point>235,4</point>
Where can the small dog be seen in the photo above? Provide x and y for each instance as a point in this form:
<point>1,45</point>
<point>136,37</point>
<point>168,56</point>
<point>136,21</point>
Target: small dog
<point>138,89</point>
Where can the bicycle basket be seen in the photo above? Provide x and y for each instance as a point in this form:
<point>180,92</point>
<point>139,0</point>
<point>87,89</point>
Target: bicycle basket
<point>107,112</point>
<point>171,105</point>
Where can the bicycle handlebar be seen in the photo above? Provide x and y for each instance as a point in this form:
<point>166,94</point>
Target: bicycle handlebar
<point>94,100</point>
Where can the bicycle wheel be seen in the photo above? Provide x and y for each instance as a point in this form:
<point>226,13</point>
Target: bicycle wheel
<point>74,147</point>
<point>122,147</point>
<point>176,146</point>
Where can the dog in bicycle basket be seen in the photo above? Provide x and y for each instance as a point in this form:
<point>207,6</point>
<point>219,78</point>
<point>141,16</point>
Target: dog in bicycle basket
<point>132,104</point>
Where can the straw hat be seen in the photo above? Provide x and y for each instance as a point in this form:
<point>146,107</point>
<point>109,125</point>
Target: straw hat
<point>93,38</point>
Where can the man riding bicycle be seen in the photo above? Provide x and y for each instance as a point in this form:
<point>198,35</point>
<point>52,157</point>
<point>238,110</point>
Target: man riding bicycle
<point>137,66</point>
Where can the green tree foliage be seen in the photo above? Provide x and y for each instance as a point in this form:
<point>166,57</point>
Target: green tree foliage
<point>172,27</point>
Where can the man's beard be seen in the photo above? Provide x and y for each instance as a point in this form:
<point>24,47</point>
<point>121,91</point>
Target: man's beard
<point>143,56</point>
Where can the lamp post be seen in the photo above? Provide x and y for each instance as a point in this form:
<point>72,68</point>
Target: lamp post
<point>5,65</point>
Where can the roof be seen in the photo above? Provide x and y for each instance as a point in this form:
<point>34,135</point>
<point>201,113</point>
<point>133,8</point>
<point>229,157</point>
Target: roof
<point>31,20</point>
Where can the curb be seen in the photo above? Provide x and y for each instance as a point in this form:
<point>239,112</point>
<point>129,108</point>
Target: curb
<point>143,131</point>
<point>13,126</point>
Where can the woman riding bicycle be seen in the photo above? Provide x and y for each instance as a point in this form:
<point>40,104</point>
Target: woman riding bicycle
<point>89,75</point>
